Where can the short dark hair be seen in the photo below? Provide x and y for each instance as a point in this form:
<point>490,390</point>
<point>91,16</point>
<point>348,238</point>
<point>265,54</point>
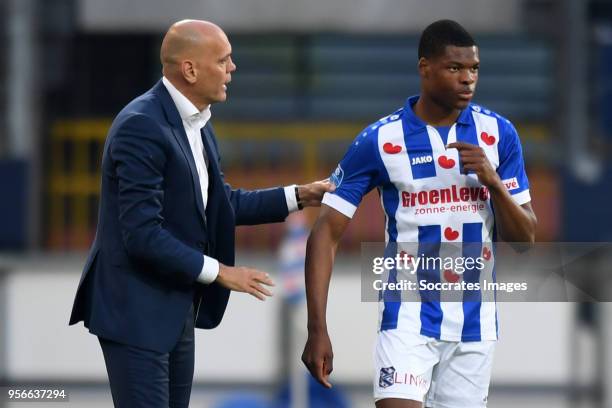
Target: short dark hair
<point>440,34</point>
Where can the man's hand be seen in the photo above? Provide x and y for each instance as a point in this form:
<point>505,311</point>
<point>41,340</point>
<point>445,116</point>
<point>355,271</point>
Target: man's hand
<point>515,223</point>
<point>319,357</point>
<point>312,194</point>
<point>244,279</point>
<point>474,159</point>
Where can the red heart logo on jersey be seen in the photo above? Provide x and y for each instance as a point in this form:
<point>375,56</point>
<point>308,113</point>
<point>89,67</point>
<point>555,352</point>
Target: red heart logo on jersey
<point>391,148</point>
<point>405,255</point>
<point>487,138</point>
<point>445,162</point>
<point>486,253</point>
<point>451,276</point>
<point>450,234</point>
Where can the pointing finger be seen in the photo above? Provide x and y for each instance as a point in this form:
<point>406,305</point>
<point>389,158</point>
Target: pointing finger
<point>461,146</point>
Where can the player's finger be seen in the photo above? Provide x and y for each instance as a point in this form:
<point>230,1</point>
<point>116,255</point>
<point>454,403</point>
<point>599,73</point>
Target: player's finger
<point>315,366</point>
<point>323,375</point>
<point>329,365</point>
<point>471,160</point>
<point>461,146</point>
<point>471,153</point>
<point>325,382</point>
<point>471,167</point>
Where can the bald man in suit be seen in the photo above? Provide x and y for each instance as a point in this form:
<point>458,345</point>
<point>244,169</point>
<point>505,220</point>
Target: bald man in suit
<point>162,261</point>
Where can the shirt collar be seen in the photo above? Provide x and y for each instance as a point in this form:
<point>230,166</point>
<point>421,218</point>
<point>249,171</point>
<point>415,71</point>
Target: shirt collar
<point>187,110</point>
<point>414,121</point>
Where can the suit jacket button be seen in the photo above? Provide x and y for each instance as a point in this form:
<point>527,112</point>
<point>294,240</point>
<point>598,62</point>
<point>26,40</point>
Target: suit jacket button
<point>200,244</point>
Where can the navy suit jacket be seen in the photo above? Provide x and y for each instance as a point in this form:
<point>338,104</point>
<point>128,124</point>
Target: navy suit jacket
<point>140,276</point>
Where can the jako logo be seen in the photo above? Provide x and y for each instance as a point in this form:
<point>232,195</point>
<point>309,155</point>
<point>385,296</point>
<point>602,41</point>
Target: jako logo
<point>422,160</point>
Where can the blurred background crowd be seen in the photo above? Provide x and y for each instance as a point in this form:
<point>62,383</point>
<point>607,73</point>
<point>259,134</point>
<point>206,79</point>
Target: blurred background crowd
<point>311,75</point>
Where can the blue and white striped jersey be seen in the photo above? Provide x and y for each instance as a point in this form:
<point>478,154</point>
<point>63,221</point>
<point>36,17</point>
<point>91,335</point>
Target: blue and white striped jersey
<point>427,199</point>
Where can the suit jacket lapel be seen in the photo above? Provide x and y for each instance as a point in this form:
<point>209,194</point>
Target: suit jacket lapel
<point>181,137</point>
<point>214,179</point>
<point>178,130</point>
<point>211,152</point>
<point>218,204</point>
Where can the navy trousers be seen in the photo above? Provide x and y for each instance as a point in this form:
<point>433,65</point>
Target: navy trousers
<point>148,379</point>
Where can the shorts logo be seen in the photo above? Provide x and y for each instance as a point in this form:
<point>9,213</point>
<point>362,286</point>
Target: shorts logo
<point>337,176</point>
<point>386,378</point>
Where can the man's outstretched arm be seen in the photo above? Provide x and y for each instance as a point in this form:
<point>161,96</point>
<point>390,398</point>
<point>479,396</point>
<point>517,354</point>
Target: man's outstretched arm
<point>263,206</point>
<point>320,252</point>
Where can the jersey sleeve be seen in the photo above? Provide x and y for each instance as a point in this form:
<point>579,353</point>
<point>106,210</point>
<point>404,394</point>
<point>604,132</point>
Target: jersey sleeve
<point>512,166</point>
<point>357,173</point>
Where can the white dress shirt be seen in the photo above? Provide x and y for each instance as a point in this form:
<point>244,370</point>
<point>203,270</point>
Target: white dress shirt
<point>193,122</point>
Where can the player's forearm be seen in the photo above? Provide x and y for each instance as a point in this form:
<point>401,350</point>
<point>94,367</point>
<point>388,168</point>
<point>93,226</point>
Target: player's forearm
<point>320,252</point>
<point>514,223</point>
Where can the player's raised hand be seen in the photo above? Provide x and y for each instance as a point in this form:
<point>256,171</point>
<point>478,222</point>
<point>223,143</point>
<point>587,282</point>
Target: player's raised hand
<point>312,194</point>
<point>319,357</point>
<point>245,279</point>
<point>473,158</point>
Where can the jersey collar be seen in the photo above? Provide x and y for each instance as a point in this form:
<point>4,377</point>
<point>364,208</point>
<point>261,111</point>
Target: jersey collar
<point>415,123</point>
